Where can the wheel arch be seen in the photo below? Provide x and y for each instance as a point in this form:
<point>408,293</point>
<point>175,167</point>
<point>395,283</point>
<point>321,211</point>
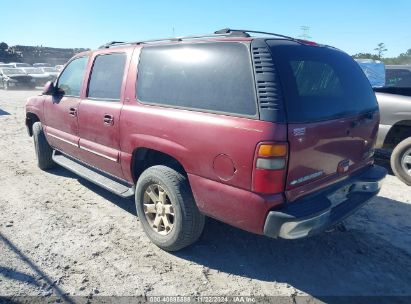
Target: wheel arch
<point>397,133</point>
<point>143,158</point>
<point>31,118</point>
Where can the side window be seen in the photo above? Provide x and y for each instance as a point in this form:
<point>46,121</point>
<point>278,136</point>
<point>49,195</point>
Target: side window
<point>71,78</point>
<point>107,76</point>
<point>214,77</point>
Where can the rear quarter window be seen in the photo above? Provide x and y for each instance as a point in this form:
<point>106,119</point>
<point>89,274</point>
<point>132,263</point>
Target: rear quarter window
<point>320,83</point>
<point>213,77</point>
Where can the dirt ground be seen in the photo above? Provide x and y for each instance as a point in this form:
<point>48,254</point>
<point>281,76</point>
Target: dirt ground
<point>62,236</point>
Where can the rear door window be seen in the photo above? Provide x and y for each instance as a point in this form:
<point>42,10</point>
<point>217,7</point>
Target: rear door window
<point>215,77</point>
<point>107,77</point>
<point>320,83</point>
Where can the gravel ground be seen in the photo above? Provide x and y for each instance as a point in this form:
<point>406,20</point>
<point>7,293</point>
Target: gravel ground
<point>62,236</point>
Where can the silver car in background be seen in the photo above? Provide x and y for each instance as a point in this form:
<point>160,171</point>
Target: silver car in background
<point>394,135</point>
<point>392,87</point>
<point>12,78</point>
<point>53,73</point>
<point>38,75</point>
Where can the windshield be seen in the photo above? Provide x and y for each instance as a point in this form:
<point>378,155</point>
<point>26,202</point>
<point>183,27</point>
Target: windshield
<point>13,72</point>
<point>33,71</point>
<point>320,83</point>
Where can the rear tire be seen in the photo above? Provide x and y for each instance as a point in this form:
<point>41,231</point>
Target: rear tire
<point>401,161</point>
<point>166,208</point>
<point>43,150</point>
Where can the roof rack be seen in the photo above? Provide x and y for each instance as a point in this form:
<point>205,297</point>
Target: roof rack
<point>213,35</point>
<point>111,43</point>
<point>227,32</point>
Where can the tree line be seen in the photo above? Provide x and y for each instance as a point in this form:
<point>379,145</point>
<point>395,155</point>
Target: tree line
<point>33,54</point>
<point>403,58</point>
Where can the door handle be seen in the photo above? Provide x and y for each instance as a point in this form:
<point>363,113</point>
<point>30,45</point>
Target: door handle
<point>73,112</point>
<point>108,119</point>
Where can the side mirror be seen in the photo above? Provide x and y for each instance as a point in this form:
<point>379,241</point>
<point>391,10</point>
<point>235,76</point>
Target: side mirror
<point>49,88</point>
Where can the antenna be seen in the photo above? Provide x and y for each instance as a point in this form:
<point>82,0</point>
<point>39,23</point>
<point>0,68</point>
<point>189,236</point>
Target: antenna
<point>305,32</point>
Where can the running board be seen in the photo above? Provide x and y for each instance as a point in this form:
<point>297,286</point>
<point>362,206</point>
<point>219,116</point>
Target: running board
<point>100,179</point>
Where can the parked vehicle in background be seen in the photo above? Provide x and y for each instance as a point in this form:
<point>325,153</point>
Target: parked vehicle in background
<point>19,65</point>
<point>15,78</point>
<point>394,135</point>
<point>51,72</point>
<point>41,65</point>
<point>59,67</point>
<point>272,135</point>
<point>392,86</point>
<point>38,75</point>
<point>6,65</point>
<point>398,76</point>
<point>374,70</point>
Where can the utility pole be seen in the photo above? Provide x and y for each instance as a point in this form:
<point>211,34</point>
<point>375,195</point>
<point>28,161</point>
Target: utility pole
<point>174,34</point>
<point>305,32</point>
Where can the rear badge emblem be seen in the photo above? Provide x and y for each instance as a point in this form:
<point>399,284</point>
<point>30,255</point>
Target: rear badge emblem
<point>343,166</point>
<point>299,131</point>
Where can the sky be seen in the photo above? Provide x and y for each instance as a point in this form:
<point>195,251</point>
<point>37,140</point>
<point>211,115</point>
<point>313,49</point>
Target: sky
<point>353,26</point>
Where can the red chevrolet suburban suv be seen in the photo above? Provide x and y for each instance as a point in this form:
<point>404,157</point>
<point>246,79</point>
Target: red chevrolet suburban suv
<point>268,133</point>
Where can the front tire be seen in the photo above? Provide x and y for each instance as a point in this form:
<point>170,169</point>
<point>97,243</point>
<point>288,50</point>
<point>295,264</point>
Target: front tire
<point>43,150</point>
<point>401,161</point>
<point>166,208</point>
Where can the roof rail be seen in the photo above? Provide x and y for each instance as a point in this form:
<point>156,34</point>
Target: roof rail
<point>108,44</point>
<point>213,35</point>
<point>228,31</point>
<point>220,33</point>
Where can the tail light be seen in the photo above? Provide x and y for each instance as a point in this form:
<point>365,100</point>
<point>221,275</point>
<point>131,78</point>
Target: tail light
<point>270,168</point>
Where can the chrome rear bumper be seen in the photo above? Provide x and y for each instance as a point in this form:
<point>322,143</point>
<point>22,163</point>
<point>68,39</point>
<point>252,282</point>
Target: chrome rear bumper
<point>316,213</point>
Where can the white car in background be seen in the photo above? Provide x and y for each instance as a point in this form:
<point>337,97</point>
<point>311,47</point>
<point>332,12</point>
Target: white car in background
<point>41,65</point>
<point>12,78</point>
<point>59,67</point>
<point>52,72</point>
<point>19,65</point>
<point>38,75</point>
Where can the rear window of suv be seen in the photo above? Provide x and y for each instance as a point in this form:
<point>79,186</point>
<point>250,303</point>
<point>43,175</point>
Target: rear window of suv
<point>320,83</point>
<point>212,77</point>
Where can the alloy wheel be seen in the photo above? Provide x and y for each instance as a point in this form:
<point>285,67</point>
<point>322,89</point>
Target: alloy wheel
<point>406,162</point>
<point>158,209</point>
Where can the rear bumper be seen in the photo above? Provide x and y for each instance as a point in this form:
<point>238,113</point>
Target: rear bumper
<point>316,213</point>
